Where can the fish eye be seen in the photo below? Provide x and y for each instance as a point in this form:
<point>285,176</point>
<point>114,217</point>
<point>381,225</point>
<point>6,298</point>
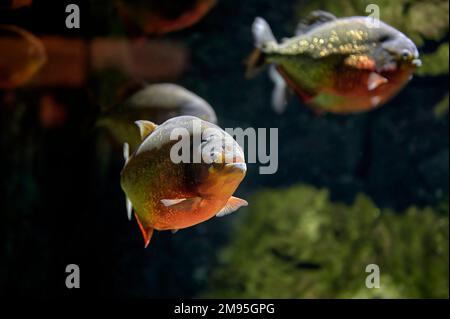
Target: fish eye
<point>406,55</point>
<point>213,156</point>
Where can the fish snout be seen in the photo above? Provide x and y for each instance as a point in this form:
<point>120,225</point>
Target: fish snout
<point>417,62</point>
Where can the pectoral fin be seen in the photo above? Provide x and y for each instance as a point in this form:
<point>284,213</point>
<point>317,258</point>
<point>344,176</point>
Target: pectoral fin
<point>280,90</point>
<point>145,128</point>
<point>126,152</point>
<point>375,80</point>
<point>182,204</point>
<point>147,232</point>
<point>231,206</point>
<point>129,208</point>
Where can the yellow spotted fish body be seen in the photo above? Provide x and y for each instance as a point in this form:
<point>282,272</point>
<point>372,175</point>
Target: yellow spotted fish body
<point>338,65</point>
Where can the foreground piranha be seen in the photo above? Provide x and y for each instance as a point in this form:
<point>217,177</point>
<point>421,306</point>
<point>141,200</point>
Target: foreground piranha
<point>336,65</point>
<point>156,17</point>
<point>167,194</point>
<point>158,102</point>
<point>21,56</point>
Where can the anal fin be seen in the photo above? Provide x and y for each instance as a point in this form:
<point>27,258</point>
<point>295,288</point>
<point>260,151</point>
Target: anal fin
<point>147,232</point>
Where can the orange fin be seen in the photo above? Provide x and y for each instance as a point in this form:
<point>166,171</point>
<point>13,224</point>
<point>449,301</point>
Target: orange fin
<point>254,63</point>
<point>147,232</point>
<point>182,204</point>
<point>145,128</point>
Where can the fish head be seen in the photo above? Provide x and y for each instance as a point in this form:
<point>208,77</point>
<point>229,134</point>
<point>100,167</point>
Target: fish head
<point>397,51</point>
<point>223,164</point>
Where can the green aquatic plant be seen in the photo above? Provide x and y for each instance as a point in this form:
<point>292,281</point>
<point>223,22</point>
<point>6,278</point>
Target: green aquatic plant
<point>296,243</point>
<point>441,108</point>
<point>436,63</point>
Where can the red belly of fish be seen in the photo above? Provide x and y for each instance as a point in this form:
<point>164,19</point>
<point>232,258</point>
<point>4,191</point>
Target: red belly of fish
<point>353,88</point>
<point>166,218</point>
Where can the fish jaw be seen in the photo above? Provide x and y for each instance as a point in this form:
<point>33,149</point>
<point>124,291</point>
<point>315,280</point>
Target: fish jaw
<point>237,168</point>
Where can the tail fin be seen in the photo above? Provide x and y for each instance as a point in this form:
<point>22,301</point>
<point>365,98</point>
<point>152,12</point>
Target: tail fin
<point>262,35</point>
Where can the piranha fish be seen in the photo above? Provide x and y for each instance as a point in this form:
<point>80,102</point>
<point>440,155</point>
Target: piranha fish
<point>155,17</point>
<point>158,102</point>
<point>21,57</point>
<point>336,65</point>
<point>168,194</point>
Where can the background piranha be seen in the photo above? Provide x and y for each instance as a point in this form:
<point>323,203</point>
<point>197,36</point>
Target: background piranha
<point>337,65</point>
<point>158,102</point>
<point>15,4</point>
<point>22,55</point>
<point>154,17</point>
<point>171,196</point>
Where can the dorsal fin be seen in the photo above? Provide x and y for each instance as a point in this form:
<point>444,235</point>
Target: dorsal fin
<point>146,128</point>
<point>313,20</point>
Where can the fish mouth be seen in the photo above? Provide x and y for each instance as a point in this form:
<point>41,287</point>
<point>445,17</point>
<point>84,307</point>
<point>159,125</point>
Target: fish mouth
<point>417,63</point>
<point>237,167</point>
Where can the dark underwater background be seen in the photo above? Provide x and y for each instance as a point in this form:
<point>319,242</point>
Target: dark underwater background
<point>350,190</point>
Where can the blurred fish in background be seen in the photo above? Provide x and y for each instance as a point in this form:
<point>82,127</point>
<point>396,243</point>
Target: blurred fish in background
<point>14,4</point>
<point>154,17</point>
<point>337,65</point>
<point>52,112</point>
<point>134,59</point>
<point>22,55</point>
<point>156,103</point>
